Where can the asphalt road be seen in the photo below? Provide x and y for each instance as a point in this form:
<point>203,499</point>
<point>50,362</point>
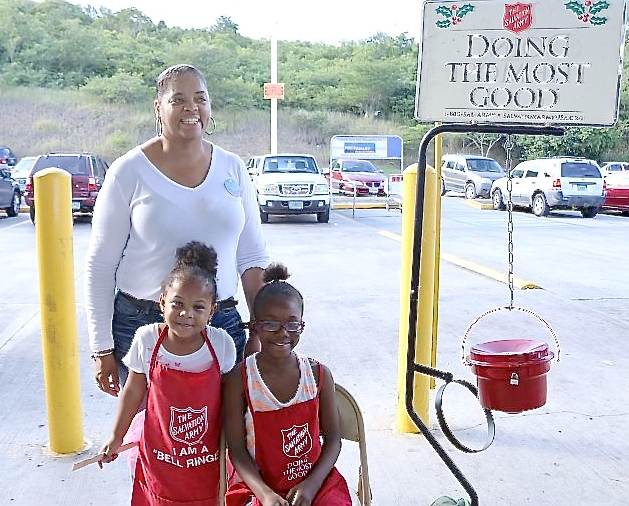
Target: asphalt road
<point>571,451</point>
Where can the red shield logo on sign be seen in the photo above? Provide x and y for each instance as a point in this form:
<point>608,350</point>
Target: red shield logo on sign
<point>296,441</point>
<point>518,17</point>
<point>188,425</point>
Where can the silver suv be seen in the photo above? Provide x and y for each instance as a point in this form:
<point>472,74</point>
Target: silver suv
<point>545,184</point>
<point>471,174</point>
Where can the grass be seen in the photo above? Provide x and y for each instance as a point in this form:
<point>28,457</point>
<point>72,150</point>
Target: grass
<point>35,121</point>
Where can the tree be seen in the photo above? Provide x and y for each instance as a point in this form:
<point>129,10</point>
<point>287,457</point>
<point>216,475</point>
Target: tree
<point>482,142</point>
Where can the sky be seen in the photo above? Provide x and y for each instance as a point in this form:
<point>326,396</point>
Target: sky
<point>326,21</point>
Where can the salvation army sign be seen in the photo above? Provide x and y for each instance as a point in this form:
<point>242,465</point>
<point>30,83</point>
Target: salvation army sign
<point>544,62</point>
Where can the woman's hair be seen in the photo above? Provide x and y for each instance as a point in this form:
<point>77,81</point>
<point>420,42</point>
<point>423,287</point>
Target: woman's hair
<point>164,79</point>
<point>275,285</point>
<point>195,259</point>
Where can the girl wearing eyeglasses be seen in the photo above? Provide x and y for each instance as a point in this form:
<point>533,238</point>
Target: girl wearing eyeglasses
<point>279,405</point>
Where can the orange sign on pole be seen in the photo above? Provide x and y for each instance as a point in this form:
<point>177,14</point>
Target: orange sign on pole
<point>274,90</point>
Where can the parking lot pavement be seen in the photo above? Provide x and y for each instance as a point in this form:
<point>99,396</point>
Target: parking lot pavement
<point>571,451</point>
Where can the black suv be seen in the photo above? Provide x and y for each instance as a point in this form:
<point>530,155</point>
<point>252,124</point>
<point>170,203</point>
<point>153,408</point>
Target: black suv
<point>87,171</point>
<point>10,195</point>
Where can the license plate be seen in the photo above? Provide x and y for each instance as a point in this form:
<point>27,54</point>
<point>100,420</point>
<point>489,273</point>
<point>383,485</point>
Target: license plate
<point>582,187</point>
<point>76,206</point>
<point>295,204</point>
<point>373,190</point>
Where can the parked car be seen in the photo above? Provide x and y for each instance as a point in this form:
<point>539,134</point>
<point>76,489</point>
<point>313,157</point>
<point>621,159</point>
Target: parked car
<point>10,195</point>
<point>545,184</point>
<point>617,192</point>
<point>471,174</point>
<point>87,171</point>
<point>613,167</point>
<point>356,176</point>
<point>22,170</point>
<point>7,157</point>
<point>253,165</point>
<point>291,184</point>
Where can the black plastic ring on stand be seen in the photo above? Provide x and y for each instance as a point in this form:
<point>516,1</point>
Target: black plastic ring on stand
<point>491,426</point>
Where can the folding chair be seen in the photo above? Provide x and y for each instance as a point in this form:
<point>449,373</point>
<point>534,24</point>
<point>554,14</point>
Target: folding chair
<point>353,429</point>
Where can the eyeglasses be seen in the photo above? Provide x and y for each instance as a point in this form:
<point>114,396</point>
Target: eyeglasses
<point>273,326</point>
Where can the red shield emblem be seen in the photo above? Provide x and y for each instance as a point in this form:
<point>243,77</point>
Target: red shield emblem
<point>296,441</point>
<point>188,425</point>
<point>518,17</point>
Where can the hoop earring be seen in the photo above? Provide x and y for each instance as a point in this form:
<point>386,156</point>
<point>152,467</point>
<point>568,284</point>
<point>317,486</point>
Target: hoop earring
<point>213,127</point>
<point>158,126</point>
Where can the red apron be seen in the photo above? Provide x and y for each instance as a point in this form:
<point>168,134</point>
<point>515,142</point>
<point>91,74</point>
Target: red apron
<point>179,451</point>
<point>287,446</point>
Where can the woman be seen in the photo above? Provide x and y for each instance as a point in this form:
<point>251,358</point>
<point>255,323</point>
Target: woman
<point>173,189</point>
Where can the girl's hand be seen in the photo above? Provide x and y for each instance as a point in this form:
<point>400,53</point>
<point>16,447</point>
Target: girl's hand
<point>302,494</point>
<point>106,374</point>
<point>109,449</point>
<point>273,499</point>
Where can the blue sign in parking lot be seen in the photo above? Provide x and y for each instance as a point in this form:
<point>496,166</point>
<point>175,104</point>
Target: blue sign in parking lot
<point>366,146</point>
<point>359,147</point>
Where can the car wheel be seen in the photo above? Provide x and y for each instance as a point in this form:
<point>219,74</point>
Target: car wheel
<point>589,212</point>
<point>470,191</point>
<point>264,217</point>
<point>540,206</point>
<point>324,217</point>
<point>443,187</point>
<point>497,201</point>
<point>14,210</point>
<point>31,211</point>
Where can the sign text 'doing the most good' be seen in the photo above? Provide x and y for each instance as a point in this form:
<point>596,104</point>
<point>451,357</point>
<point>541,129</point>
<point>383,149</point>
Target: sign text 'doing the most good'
<point>551,62</point>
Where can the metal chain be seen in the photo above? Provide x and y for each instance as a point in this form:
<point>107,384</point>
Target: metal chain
<point>508,145</point>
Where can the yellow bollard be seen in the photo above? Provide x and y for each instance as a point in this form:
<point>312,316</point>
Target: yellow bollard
<point>53,224</point>
<point>438,144</point>
<point>425,297</point>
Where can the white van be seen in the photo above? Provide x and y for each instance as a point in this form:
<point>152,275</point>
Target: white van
<point>545,184</point>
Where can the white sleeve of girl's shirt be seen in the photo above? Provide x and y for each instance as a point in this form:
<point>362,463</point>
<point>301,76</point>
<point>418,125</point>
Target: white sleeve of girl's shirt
<point>139,355</point>
<point>224,348</point>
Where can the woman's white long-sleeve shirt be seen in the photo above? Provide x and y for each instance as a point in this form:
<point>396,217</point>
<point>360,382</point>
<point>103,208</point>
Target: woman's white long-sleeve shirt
<point>140,219</point>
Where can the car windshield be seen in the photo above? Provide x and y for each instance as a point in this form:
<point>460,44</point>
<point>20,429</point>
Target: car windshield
<point>359,166</point>
<point>579,169</point>
<point>71,164</point>
<point>299,164</point>
<point>24,164</point>
<point>483,165</point>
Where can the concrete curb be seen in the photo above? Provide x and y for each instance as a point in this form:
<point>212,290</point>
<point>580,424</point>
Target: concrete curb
<point>520,284</point>
<point>483,204</point>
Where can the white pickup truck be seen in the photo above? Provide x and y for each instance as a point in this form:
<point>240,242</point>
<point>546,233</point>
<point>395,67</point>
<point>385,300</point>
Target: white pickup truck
<point>290,184</point>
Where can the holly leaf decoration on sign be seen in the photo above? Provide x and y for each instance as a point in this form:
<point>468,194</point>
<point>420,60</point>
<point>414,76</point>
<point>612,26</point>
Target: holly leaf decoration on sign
<point>453,14</point>
<point>575,7</point>
<point>444,11</point>
<point>598,7</point>
<point>586,12</point>
<point>465,9</point>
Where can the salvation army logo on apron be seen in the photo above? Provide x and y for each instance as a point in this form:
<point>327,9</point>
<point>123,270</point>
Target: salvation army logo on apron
<point>296,441</point>
<point>188,425</point>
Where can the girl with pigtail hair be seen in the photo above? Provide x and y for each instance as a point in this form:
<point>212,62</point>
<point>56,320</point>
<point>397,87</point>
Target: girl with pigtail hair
<point>279,406</point>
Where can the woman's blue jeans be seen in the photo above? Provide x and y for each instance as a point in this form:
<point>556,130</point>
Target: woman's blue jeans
<point>130,314</point>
